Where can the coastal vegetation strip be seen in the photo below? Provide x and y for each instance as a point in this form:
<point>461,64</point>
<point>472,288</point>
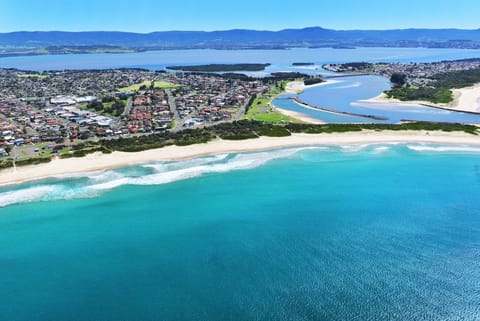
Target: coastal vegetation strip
<point>245,129</point>
<point>221,67</point>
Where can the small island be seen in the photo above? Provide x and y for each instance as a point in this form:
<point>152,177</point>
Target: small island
<point>303,64</point>
<point>221,67</point>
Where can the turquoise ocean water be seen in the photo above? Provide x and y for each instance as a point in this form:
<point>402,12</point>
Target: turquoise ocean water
<point>379,232</point>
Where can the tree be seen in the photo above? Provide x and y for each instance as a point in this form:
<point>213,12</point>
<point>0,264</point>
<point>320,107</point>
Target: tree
<point>398,79</point>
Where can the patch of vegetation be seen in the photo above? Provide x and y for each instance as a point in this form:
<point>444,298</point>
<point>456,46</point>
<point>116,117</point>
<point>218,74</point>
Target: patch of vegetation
<point>287,75</point>
<point>33,160</point>
<point>108,105</point>
<point>439,91</point>
<point>415,126</point>
<point>354,66</point>
<point>313,81</point>
<point>33,75</point>
<point>261,110</point>
<point>6,163</point>
<point>221,67</point>
<point>147,84</point>
<point>434,95</point>
<point>300,64</point>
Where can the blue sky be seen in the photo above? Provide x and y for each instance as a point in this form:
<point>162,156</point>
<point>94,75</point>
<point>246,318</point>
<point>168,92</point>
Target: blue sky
<point>158,15</point>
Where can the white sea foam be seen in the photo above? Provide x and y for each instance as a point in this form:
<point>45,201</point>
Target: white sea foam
<point>163,166</point>
<point>198,167</point>
<point>440,149</point>
<point>102,176</point>
<point>354,148</point>
<point>30,194</point>
<point>167,172</point>
<point>110,184</point>
<point>381,149</point>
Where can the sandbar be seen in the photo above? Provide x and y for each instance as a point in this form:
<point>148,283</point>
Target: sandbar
<point>297,87</point>
<point>298,115</point>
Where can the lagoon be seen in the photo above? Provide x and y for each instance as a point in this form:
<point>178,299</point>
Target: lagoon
<point>280,59</point>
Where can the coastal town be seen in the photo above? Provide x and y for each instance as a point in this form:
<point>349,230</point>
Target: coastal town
<point>54,110</point>
<point>415,74</point>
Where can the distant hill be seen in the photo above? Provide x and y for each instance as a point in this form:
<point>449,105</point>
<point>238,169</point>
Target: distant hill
<point>238,39</point>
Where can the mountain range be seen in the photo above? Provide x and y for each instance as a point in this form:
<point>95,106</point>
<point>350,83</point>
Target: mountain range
<point>241,39</point>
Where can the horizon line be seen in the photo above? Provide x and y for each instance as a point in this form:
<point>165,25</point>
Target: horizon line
<point>246,29</point>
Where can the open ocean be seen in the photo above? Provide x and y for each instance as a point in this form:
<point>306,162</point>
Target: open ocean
<point>378,232</point>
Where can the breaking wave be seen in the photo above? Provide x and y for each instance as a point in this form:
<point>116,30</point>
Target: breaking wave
<point>94,183</point>
<point>26,195</point>
<point>443,149</point>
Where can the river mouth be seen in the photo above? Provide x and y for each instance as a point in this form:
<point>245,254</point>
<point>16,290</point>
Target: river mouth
<point>349,100</point>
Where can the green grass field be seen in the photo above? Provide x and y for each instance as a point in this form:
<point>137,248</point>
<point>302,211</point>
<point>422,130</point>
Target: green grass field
<point>158,84</point>
<point>262,110</point>
<point>38,76</point>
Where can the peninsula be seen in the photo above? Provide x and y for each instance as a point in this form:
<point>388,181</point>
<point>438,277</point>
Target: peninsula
<point>451,85</point>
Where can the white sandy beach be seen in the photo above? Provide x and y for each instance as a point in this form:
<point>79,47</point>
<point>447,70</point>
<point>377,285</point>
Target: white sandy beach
<point>297,87</point>
<point>467,99</point>
<point>299,116</point>
<point>98,161</point>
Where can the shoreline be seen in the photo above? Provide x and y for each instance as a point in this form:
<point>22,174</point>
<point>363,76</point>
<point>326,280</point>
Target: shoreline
<point>298,115</point>
<point>98,162</point>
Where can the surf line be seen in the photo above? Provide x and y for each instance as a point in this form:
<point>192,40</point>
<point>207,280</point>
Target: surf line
<point>333,111</point>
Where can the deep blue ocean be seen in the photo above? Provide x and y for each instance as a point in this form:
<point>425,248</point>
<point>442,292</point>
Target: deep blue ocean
<point>379,232</point>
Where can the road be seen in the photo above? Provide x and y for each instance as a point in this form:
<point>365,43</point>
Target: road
<point>242,110</point>
<point>128,107</point>
<point>173,108</point>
